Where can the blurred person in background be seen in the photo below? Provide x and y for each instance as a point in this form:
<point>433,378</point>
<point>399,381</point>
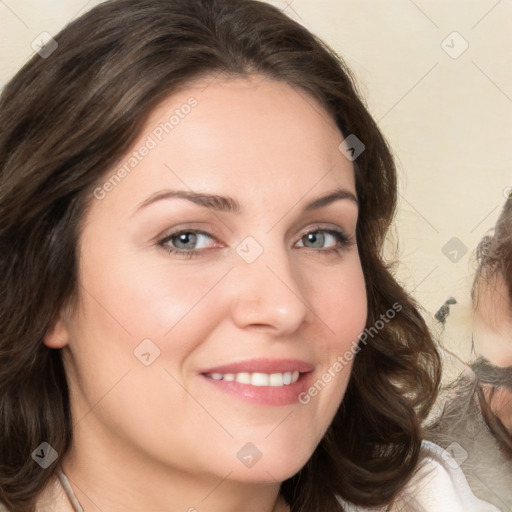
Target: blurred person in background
<point>476,423</point>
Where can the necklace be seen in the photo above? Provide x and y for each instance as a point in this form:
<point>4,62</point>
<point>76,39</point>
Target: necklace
<point>78,508</point>
<point>69,492</point>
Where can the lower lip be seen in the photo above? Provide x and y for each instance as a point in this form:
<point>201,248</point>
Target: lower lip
<point>264,395</point>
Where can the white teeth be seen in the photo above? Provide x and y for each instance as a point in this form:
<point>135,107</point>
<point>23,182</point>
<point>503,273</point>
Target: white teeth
<point>258,379</point>
<point>243,378</point>
<point>276,379</point>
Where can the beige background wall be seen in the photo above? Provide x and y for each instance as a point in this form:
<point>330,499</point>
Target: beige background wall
<point>446,110</point>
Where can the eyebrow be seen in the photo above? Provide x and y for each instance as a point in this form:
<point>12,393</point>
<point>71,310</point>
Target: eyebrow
<point>231,205</point>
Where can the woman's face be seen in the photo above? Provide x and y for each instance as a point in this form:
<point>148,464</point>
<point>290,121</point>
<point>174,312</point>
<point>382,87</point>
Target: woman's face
<point>183,361</point>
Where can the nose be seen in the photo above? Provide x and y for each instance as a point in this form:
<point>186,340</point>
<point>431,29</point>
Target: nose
<point>268,294</point>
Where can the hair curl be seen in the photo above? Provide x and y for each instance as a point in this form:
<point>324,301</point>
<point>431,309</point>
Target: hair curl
<point>66,120</point>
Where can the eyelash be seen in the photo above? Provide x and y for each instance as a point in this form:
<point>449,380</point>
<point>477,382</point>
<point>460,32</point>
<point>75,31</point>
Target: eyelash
<point>343,240</point>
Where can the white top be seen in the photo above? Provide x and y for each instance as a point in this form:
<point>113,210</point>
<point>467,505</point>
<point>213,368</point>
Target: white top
<point>438,486</point>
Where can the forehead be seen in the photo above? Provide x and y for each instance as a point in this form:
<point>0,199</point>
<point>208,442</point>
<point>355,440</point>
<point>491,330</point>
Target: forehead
<point>245,133</point>
<point>252,109</point>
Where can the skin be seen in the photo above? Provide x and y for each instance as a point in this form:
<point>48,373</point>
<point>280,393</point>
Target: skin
<point>501,404</point>
<point>160,437</point>
<point>492,322</point>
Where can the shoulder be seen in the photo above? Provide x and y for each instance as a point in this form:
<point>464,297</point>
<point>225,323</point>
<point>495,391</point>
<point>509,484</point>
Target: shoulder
<point>55,497</point>
<point>439,485</point>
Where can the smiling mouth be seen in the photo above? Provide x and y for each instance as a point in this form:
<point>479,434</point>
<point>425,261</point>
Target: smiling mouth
<point>258,379</point>
<point>262,381</point>
<point>263,389</point>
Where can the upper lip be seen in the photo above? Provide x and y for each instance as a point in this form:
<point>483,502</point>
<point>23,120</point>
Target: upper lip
<point>263,366</point>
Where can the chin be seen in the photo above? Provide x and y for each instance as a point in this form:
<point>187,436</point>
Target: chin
<point>278,468</point>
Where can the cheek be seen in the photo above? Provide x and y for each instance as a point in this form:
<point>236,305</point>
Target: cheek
<point>146,300</point>
<point>123,305</point>
<point>342,305</point>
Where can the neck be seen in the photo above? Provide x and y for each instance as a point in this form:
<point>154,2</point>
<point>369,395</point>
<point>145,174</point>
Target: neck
<point>115,480</point>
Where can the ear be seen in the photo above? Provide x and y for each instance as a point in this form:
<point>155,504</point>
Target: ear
<point>58,335</point>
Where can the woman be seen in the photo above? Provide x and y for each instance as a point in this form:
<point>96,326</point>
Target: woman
<point>250,372</point>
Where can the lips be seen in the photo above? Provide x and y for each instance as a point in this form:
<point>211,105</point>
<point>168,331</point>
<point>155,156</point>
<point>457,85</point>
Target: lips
<point>262,366</point>
<point>287,379</point>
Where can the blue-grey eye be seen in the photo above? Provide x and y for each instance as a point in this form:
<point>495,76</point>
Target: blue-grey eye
<point>185,240</point>
<point>318,239</point>
<point>191,240</point>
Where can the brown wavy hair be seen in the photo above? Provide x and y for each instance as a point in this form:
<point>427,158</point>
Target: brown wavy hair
<point>67,119</point>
